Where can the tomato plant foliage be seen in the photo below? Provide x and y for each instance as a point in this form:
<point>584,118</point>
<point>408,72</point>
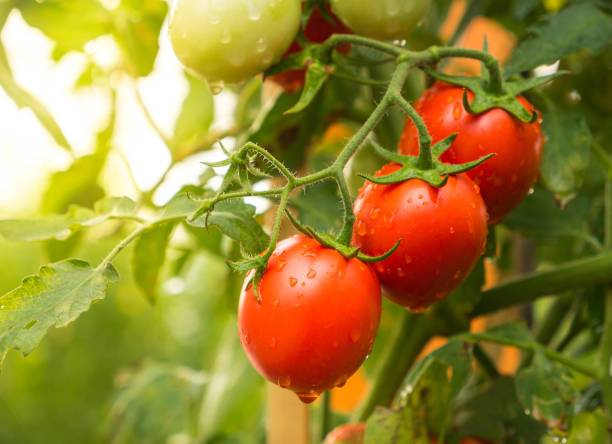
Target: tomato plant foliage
<point>382,160</point>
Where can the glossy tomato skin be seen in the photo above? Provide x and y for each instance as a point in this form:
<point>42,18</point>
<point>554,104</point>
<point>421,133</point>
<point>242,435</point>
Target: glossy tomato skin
<point>347,434</point>
<point>443,232</point>
<point>383,20</point>
<point>505,179</point>
<point>317,30</point>
<point>232,40</point>
<point>317,318</point>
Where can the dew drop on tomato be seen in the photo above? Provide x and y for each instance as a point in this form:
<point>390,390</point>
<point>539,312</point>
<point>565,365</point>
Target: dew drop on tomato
<point>308,398</point>
<point>312,273</point>
<point>355,335</point>
<point>457,111</point>
<point>273,343</point>
<point>293,281</point>
<point>284,381</point>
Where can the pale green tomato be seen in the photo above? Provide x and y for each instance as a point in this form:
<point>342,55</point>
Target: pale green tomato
<point>232,40</point>
<point>381,19</point>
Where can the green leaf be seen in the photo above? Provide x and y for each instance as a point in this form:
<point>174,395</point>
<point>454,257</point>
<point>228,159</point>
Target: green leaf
<point>316,75</point>
<point>149,256</point>
<point>154,401</point>
<point>319,207</point>
<point>236,219</point>
<point>544,389</point>
<point>55,297</point>
<point>395,427</point>
<point>195,118</point>
<point>539,217</point>
<point>589,427</point>
<point>513,331</point>
<point>493,412</point>
<point>61,227</point>
<point>566,153</point>
<point>136,27</point>
<point>23,99</point>
<point>579,26</point>
<point>69,23</point>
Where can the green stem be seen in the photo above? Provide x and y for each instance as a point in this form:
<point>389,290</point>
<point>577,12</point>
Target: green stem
<point>490,62</point>
<point>326,420</point>
<point>527,288</point>
<point>342,39</point>
<point>349,216</point>
<point>606,356</point>
<point>413,334</point>
<point>426,160</point>
<point>485,362</point>
<point>554,318</point>
<point>277,223</point>
<point>530,346</point>
<point>250,146</point>
<point>121,245</point>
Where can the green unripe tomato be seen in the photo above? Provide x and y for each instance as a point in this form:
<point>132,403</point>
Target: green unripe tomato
<point>232,40</point>
<point>381,19</point>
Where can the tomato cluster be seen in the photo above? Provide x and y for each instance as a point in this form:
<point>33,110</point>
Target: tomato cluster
<point>315,315</point>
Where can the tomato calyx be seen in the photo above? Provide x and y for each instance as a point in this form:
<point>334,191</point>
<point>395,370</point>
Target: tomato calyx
<point>486,98</point>
<point>348,251</point>
<point>437,176</point>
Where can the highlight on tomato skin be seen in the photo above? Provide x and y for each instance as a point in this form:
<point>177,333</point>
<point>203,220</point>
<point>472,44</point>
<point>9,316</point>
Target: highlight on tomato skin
<point>443,232</point>
<point>506,178</point>
<point>317,30</point>
<point>316,320</point>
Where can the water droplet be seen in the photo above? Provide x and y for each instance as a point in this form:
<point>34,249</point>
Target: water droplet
<point>374,213</point>
<point>300,295</point>
<point>216,87</point>
<point>388,221</point>
<point>355,335</point>
<point>303,284</point>
<point>341,273</point>
<point>311,274</point>
<point>400,272</point>
<point>247,338</point>
<point>420,196</point>
<point>298,305</point>
<point>308,398</point>
<point>273,343</point>
<point>284,381</point>
<point>362,230</point>
<point>260,46</point>
<point>473,205</point>
<point>407,259</point>
<point>380,268</point>
<point>531,191</point>
<point>341,381</point>
<point>457,274</point>
<point>293,281</point>
<point>409,200</point>
<point>267,58</point>
<point>226,36</point>
<point>452,230</point>
<point>275,303</point>
<point>309,253</point>
<point>254,11</point>
<point>280,265</point>
<point>457,110</point>
<point>425,204</point>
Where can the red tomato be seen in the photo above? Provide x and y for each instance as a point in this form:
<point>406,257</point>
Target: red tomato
<point>317,30</point>
<point>506,178</point>
<point>347,434</point>
<point>443,232</point>
<point>317,318</point>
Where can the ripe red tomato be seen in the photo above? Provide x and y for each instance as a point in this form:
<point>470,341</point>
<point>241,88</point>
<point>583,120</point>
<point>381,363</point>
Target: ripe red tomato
<point>317,30</point>
<point>347,434</point>
<point>317,318</point>
<point>506,178</point>
<point>443,232</point>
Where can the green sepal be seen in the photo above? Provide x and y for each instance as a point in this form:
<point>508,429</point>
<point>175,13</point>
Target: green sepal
<point>259,264</point>
<point>410,169</point>
<point>484,99</point>
<point>347,251</point>
<point>316,76</point>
